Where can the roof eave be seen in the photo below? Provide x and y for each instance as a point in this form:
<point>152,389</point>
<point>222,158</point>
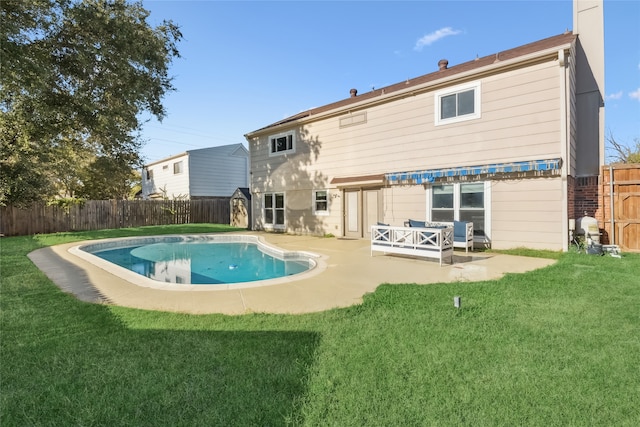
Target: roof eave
<point>449,80</point>
<point>166,159</point>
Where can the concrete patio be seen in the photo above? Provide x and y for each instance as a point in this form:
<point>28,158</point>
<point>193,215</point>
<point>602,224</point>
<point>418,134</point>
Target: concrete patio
<point>347,273</point>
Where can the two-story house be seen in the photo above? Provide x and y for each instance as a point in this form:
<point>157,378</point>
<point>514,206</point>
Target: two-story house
<point>512,141</point>
<point>203,173</point>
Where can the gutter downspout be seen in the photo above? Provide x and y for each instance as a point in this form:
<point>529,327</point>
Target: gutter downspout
<point>613,216</point>
<point>562,60</point>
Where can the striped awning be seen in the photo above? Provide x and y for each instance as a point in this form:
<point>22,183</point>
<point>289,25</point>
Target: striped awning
<point>430,175</point>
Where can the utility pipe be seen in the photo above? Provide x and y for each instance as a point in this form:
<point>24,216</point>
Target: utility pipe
<point>563,60</point>
<point>612,204</point>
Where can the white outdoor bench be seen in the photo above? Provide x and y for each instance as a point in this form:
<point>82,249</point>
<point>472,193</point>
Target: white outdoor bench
<point>427,242</point>
<point>462,231</point>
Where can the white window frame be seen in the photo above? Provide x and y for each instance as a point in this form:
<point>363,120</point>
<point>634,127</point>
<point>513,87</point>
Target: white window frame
<point>178,165</point>
<point>316,211</point>
<point>477,98</point>
<point>456,207</point>
<point>291,140</point>
<point>273,225</point>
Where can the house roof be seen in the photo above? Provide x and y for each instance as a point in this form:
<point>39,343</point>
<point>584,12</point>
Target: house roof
<point>221,150</point>
<point>244,191</point>
<point>476,64</point>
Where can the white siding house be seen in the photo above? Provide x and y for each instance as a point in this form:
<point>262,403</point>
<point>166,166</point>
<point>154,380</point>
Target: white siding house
<point>204,173</point>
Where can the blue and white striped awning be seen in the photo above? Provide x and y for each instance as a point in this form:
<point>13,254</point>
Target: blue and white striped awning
<point>430,175</point>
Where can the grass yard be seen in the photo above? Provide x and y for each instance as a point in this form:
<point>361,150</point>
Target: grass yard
<point>557,346</point>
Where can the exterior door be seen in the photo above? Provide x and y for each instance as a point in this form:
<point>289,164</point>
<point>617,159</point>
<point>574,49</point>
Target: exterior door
<point>372,207</point>
<point>352,222</point>
<point>361,210</point>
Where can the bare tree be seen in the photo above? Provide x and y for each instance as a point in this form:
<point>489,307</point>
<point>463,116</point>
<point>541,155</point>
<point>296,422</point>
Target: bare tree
<point>621,152</point>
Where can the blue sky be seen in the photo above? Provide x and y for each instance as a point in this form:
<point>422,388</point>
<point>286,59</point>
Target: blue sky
<point>247,64</point>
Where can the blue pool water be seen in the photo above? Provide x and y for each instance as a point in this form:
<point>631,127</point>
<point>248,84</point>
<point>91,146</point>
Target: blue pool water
<point>202,262</point>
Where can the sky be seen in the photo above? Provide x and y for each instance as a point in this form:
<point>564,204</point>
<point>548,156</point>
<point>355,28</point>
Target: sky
<point>247,64</point>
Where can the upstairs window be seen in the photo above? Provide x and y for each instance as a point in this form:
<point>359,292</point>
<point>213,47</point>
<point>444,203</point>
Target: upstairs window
<point>457,104</point>
<point>149,174</point>
<point>177,168</point>
<point>282,143</point>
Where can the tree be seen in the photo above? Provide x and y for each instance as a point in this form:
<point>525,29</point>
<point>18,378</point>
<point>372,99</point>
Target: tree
<point>75,77</point>
<point>623,153</point>
<point>68,165</point>
<point>108,178</point>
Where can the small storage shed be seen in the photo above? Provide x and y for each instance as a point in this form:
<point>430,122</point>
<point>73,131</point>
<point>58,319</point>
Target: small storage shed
<point>241,208</point>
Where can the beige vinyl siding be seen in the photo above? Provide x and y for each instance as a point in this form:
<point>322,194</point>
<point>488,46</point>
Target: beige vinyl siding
<point>527,213</point>
<point>520,120</point>
<point>300,218</point>
<point>289,171</point>
<point>403,203</point>
<point>573,131</point>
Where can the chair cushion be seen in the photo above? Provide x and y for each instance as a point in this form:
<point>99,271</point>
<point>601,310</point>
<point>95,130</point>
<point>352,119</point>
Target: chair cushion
<point>414,223</point>
<point>459,231</point>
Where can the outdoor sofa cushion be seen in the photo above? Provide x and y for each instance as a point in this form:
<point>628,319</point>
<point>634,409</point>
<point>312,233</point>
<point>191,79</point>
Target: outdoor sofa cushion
<point>459,231</point>
<point>414,223</point>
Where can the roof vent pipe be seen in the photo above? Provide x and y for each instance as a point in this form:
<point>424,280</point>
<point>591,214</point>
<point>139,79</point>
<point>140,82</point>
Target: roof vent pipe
<point>353,92</point>
<point>442,64</point>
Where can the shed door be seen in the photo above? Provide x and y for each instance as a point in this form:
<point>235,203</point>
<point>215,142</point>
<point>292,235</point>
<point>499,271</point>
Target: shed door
<point>239,212</point>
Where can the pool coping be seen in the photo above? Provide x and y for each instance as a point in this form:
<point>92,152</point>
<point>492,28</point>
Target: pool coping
<point>351,272</point>
<point>319,264</point>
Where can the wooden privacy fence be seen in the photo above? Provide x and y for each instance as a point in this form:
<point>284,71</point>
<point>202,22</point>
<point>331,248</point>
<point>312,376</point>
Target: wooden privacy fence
<point>104,214</point>
<point>622,181</point>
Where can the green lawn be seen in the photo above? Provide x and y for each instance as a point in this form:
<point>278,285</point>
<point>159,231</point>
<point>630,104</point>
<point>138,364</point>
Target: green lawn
<point>558,346</point>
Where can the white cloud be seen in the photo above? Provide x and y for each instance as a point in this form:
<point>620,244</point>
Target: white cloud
<point>616,95</point>
<point>435,36</point>
<point>635,94</point>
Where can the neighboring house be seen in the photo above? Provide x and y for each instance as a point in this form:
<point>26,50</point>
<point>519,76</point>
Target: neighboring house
<point>196,174</point>
<point>512,141</point>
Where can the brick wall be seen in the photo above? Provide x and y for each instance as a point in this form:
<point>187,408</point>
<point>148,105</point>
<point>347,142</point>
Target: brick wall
<point>571,194</point>
<point>585,192</point>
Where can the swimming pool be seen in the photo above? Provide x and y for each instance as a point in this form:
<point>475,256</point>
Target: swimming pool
<point>196,261</point>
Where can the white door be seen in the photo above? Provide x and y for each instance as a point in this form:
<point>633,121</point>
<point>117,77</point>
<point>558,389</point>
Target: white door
<point>352,214</point>
<point>361,210</point>
<point>371,211</point>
